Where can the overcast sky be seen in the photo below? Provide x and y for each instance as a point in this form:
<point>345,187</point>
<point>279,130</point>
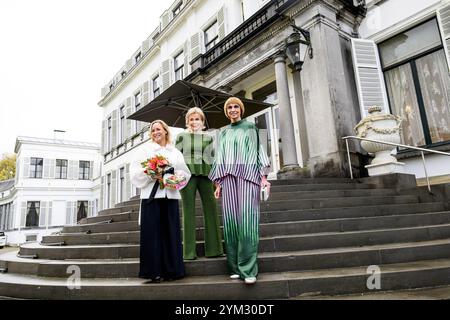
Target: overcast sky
<point>56,55</point>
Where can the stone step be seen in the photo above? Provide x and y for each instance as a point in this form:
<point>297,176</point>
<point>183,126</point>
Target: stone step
<point>426,293</point>
<point>274,229</point>
<point>267,262</point>
<point>291,194</point>
<point>102,227</point>
<point>281,243</point>
<point>299,215</point>
<point>115,217</point>
<point>274,189</point>
<point>281,205</point>
<point>118,210</point>
<point>324,194</point>
<point>279,285</point>
<point>315,181</point>
<point>320,187</point>
<point>284,228</point>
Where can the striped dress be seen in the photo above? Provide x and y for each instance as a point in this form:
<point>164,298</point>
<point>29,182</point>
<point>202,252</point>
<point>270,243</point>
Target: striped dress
<point>239,166</point>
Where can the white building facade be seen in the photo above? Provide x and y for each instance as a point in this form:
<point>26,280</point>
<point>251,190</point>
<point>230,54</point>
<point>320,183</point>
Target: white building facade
<point>239,47</point>
<point>55,185</point>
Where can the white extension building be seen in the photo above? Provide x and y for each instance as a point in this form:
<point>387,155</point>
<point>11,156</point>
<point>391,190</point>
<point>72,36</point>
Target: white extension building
<point>56,184</point>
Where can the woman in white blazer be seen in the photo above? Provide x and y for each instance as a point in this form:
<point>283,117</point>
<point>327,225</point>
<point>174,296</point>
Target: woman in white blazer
<point>161,254</point>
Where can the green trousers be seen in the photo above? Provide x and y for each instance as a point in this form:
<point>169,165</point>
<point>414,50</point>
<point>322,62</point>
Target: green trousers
<point>213,237</point>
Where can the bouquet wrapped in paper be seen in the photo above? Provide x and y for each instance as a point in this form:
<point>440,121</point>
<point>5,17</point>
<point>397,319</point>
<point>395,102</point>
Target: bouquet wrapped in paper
<point>175,181</point>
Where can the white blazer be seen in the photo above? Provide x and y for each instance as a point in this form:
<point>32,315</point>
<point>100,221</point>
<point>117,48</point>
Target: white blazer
<point>145,183</point>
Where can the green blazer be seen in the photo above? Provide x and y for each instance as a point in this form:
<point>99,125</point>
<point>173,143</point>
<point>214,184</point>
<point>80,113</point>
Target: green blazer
<point>198,151</point>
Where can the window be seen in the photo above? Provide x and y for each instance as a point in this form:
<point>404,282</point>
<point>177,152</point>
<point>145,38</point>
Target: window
<point>108,190</point>
<point>418,84</point>
<point>122,123</point>
<point>138,57</point>
<point>84,170</point>
<point>211,35</point>
<point>137,101</point>
<point>156,89</point>
<point>82,209</point>
<point>123,74</point>
<point>33,209</point>
<point>179,65</point>
<point>177,9</point>
<point>61,169</point>
<point>36,167</point>
<point>109,142</point>
<point>122,184</point>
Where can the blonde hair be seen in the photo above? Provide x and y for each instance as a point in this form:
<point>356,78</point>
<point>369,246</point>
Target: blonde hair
<point>165,127</point>
<point>193,110</point>
<point>234,100</point>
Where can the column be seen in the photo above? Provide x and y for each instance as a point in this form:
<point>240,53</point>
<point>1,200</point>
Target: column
<point>286,124</point>
<point>301,117</point>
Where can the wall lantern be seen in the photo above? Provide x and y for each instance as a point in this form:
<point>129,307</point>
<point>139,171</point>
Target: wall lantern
<point>298,45</point>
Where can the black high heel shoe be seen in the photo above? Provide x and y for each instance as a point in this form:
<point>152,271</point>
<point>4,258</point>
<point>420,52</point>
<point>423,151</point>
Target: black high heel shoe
<point>153,280</point>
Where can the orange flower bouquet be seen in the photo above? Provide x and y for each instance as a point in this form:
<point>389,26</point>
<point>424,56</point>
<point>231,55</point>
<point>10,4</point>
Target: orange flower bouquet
<point>158,165</point>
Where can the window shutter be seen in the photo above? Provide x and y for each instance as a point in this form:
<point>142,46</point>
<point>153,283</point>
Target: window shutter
<point>186,58</point>
<point>102,190</point>
<point>12,214</point>
<point>128,122</point>
<point>91,170</point>
<point>49,213</point>
<point>23,214</point>
<point>165,74</point>
<point>221,23</point>
<point>113,187</point>
<point>165,19</point>
<point>128,64</point>
<point>52,168</point>
<point>72,170</point>
<point>26,167</point>
<point>145,96</point>
<point>127,182</point>
<point>145,46</point>
<point>104,136</point>
<point>46,169</point>
<point>369,76</point>
<point>74,213</point>
<point>68,212</point>
<point>195,45</point>
<point>443,15</point>
<point>43,214</point>
<point>90,208</point>
<point>114,128</point>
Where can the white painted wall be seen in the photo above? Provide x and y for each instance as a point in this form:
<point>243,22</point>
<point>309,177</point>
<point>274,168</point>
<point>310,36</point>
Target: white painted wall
<point>386,18</point>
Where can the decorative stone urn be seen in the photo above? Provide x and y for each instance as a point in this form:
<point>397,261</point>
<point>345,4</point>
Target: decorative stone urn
<point>381,127</point>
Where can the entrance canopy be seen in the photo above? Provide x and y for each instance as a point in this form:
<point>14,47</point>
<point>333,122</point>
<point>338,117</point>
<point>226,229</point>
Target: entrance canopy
<point>172,105</point>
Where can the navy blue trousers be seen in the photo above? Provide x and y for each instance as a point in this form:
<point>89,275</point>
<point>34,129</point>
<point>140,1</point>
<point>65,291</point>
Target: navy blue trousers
<point>161,252</point>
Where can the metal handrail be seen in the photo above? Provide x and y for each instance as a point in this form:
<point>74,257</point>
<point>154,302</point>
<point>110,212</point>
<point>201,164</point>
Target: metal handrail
<point>422,150</point>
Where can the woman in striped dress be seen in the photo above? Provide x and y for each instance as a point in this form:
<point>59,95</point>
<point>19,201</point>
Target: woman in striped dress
<point>239,171</point>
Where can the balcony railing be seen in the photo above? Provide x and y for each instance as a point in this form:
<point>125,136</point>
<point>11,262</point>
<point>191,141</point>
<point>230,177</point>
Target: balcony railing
<point>242,34</point>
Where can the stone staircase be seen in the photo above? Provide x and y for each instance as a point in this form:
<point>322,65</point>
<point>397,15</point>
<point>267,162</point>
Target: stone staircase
<point>318,236</point>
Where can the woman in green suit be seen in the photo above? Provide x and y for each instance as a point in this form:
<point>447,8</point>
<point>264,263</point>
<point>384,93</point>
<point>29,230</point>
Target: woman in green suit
<point>197,149</point>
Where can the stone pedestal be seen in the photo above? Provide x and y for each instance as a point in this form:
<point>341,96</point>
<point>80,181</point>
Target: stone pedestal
<point>385,168</point>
